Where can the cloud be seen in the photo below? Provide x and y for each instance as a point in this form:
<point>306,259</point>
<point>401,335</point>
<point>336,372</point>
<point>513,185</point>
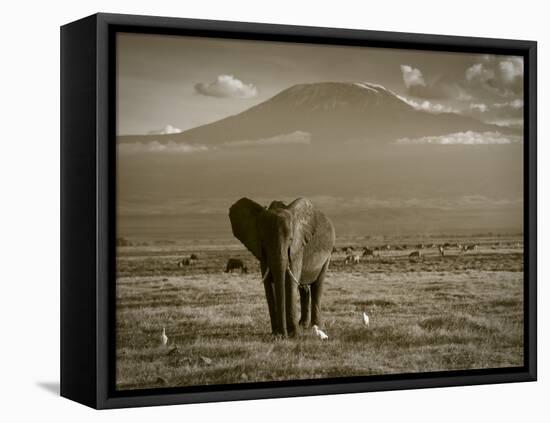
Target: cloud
<point>226,86</point>
<point>501,75</point>
<point>152,147</point>
<point>507,113</point>
<point>412,76</point>
<point>511,69</point>
<point>509,110</point>
<point>479,107</point>
<point>418,87</point>
<point>513,104</point>
<point>465,138</point>
<point>297,137</point>
<point>479,73</point>
<point>463,95</point>
<point>508,123</point>
<point>157,147</point>
<point>168,129</point>
<point>428,106</point>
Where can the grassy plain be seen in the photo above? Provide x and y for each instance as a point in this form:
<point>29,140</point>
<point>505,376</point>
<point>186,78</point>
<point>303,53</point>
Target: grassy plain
<point>461,311</point>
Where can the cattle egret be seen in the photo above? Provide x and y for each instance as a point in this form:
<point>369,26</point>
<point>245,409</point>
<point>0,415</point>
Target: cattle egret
<point>366,319</point>
<point>163,337</point>
<point>320,333</point>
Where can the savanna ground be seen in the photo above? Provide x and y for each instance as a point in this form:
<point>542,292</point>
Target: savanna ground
<point>461,311</point>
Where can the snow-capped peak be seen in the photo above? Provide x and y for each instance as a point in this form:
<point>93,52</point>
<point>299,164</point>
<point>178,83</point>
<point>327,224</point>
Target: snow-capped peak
<point>365,86</point>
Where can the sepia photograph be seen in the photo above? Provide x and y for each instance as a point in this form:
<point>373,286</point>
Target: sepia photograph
<point>289,211</point>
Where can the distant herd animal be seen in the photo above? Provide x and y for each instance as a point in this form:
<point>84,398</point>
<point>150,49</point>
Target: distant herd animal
<point>232,263</point>
<point>414,255</point>
<point>367,252</point>
<point>235,264</point>
<point>352,259</point>
<point>187,261</point>
<point>353,255</point>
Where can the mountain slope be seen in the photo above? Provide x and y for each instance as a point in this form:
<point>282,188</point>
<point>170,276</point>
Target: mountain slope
<point>330,112</point>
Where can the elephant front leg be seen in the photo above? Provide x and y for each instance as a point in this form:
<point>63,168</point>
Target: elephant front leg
<point>305,305</point>
<point>270,297</point>
<point>291,307</point>
<point>316,293</point>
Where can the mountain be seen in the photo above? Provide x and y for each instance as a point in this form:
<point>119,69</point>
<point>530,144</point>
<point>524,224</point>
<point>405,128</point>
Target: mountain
<point>330,112</point>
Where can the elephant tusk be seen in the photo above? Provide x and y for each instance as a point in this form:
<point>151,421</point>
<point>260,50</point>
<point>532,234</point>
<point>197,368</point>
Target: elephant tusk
<point>264,277</point>
<point>293,277</point>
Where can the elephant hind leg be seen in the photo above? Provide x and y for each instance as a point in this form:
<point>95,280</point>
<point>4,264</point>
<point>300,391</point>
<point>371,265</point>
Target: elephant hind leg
<point>316,293</point>
<point>305,305</point>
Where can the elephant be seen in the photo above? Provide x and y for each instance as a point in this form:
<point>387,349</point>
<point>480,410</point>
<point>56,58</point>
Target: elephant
<point>233,264</point>
<point>293,244</point>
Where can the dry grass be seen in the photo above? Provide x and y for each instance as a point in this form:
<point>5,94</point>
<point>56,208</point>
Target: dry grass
<point>456,312</point>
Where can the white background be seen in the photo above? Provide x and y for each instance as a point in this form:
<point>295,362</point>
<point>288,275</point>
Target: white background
<point>29,170</point>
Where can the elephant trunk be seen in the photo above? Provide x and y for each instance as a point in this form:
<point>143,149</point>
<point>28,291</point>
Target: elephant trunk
<point>278,264</point>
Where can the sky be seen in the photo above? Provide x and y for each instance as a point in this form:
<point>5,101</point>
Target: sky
<point>173,83</point>
<point>463,182</point>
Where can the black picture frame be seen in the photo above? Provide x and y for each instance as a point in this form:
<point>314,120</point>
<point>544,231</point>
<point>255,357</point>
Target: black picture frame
<point>88,197</point>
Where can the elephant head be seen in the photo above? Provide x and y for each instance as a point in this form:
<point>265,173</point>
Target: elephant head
<point>293,244</point>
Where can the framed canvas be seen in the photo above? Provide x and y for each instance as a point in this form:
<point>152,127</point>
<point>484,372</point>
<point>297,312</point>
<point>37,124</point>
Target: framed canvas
<point>257,211</point>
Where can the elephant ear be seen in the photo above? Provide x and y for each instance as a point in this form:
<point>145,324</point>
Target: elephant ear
<point>304,225</point>
<point>243,215</point>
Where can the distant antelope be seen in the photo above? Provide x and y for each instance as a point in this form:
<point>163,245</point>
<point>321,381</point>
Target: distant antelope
<point>420,246</point>
<point>352,259</point>
<point>414,255</point>
<point>441,249</point>
<point>187,261</point>
<point>469,247</point>
<point>367,252</point>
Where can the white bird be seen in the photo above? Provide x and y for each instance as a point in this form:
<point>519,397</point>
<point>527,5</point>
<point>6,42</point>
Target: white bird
<point>163,337</point>
<point>320,333</point>
<point>366,319</point>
